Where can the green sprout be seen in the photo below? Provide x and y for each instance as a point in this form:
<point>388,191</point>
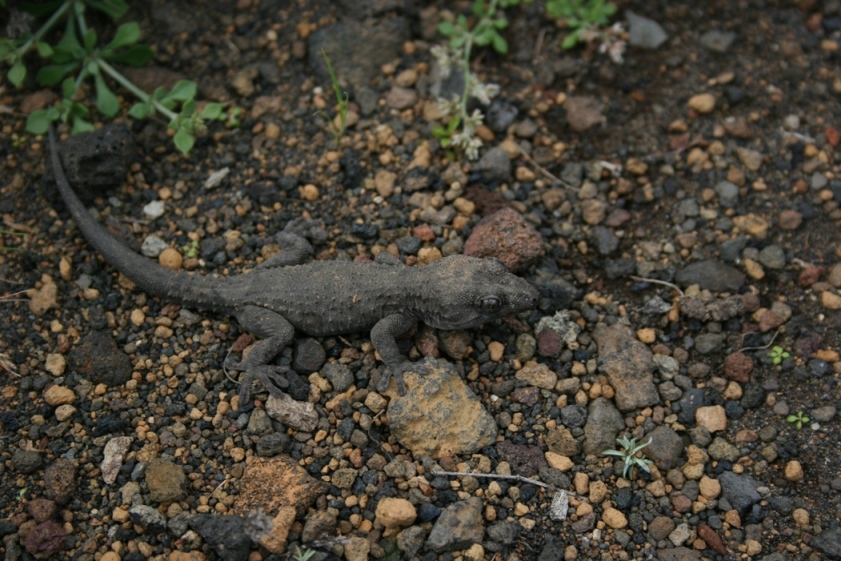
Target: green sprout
<point>302,555</point>
<point>341,102</point>
<point>628,453</point>
<point>10,233</point>
<point>778,354</point>
<point>191,249</point>
<point>78,56</point>
<point>798,420</point>
<point>582,17</point>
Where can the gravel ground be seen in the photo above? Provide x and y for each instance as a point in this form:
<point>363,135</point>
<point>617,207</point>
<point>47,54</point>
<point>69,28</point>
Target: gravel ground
<point>679,214</point>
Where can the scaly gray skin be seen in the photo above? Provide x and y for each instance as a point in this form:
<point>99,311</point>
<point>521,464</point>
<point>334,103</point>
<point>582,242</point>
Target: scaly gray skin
<point>322,297</point>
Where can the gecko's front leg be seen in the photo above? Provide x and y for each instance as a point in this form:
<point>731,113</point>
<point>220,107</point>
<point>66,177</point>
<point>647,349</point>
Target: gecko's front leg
<point>383,337</point>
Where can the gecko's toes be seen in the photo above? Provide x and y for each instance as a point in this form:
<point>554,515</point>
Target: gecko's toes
<point>397,373</point>
<point>273,379</point>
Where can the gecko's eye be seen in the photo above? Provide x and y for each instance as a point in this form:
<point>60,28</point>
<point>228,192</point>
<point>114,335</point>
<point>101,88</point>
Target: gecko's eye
<point>489,303</point>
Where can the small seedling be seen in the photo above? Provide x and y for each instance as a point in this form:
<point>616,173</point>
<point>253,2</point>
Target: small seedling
<point>798,420</point>
<point>191,249</point>
<point>581,17</point>
<point>10,233</point>
<point>341,102</point>
<point>628,453</point>
<point>302,555</point>
<point>777,354</point>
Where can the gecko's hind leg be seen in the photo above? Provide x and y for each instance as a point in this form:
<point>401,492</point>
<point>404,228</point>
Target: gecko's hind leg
<point>275,332</point>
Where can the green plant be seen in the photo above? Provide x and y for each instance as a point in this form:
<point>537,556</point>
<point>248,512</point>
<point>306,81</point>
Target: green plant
<point>778,354</point>
<point>302,555</point>
<point>798,420</point>
<point>10,233</point>
<point>191,249</point>
<point>78,56</point>
<point>460,130</point>
<point>341,102</point>
<point>581,17</point>
<point>628,453</point>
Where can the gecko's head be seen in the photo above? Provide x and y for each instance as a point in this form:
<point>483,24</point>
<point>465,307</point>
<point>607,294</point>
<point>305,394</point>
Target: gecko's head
<point>464,292</point>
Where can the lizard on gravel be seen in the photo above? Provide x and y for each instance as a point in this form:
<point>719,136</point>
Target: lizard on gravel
<point>321,298</point>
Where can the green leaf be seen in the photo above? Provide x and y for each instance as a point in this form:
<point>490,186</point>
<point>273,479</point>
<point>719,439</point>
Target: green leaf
<point>446,28</point>
<point>182,91</point>
<point>500,23</point>
<point>136,55</point>
<point>68,40</point>
<point>17,74</point>
<point>90,39</point>
<point>40,9</point>
<point>457,41</point>
<point>139,110</point>
<point>52,74</point>
<point>81,125</point>
<point>158,94</point>
<point>127,34</point>
<point>78,110</point>
<point>106,102</point>
<point>500,45</point>
<point>484,37</point>
<point>212,112</point>
<point>184,141</point>
<point>68,88</point>
<point>114,8</point>
<point>38,122</point>
<point>188,108</point>
<point>44,49</point>
<point>64,55</point>
<point>570,40</point>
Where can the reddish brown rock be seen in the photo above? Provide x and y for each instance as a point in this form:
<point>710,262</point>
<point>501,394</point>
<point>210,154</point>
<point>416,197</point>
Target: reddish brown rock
<point>810,276</point>
<point>790,220</point>
<point>738,366</point>
<point>427,342</point>
<point>712,539</point>
<point>528,395</point>
<point>423,232</point>
<point>507,236</point>
<point>47,538</point>
<point>41,509</point>
<point>60,480</point>
<point>681,503</point>
<point>549,343</point>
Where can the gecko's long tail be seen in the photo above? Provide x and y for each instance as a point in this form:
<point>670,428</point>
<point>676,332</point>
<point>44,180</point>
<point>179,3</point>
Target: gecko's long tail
<point>178,286</point>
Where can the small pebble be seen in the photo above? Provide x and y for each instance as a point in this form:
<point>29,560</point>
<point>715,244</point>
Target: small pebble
<point>702,103</point>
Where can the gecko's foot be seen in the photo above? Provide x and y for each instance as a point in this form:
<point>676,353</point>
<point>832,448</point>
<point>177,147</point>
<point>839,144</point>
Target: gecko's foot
<point>273,379</point>
<point>397,372</point>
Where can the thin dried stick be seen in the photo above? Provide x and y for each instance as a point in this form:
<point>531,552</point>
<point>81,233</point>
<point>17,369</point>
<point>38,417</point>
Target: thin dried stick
<point>771,342</point>
<point>655,281</point>
<point>519,478</point>
<point>546,172</point>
